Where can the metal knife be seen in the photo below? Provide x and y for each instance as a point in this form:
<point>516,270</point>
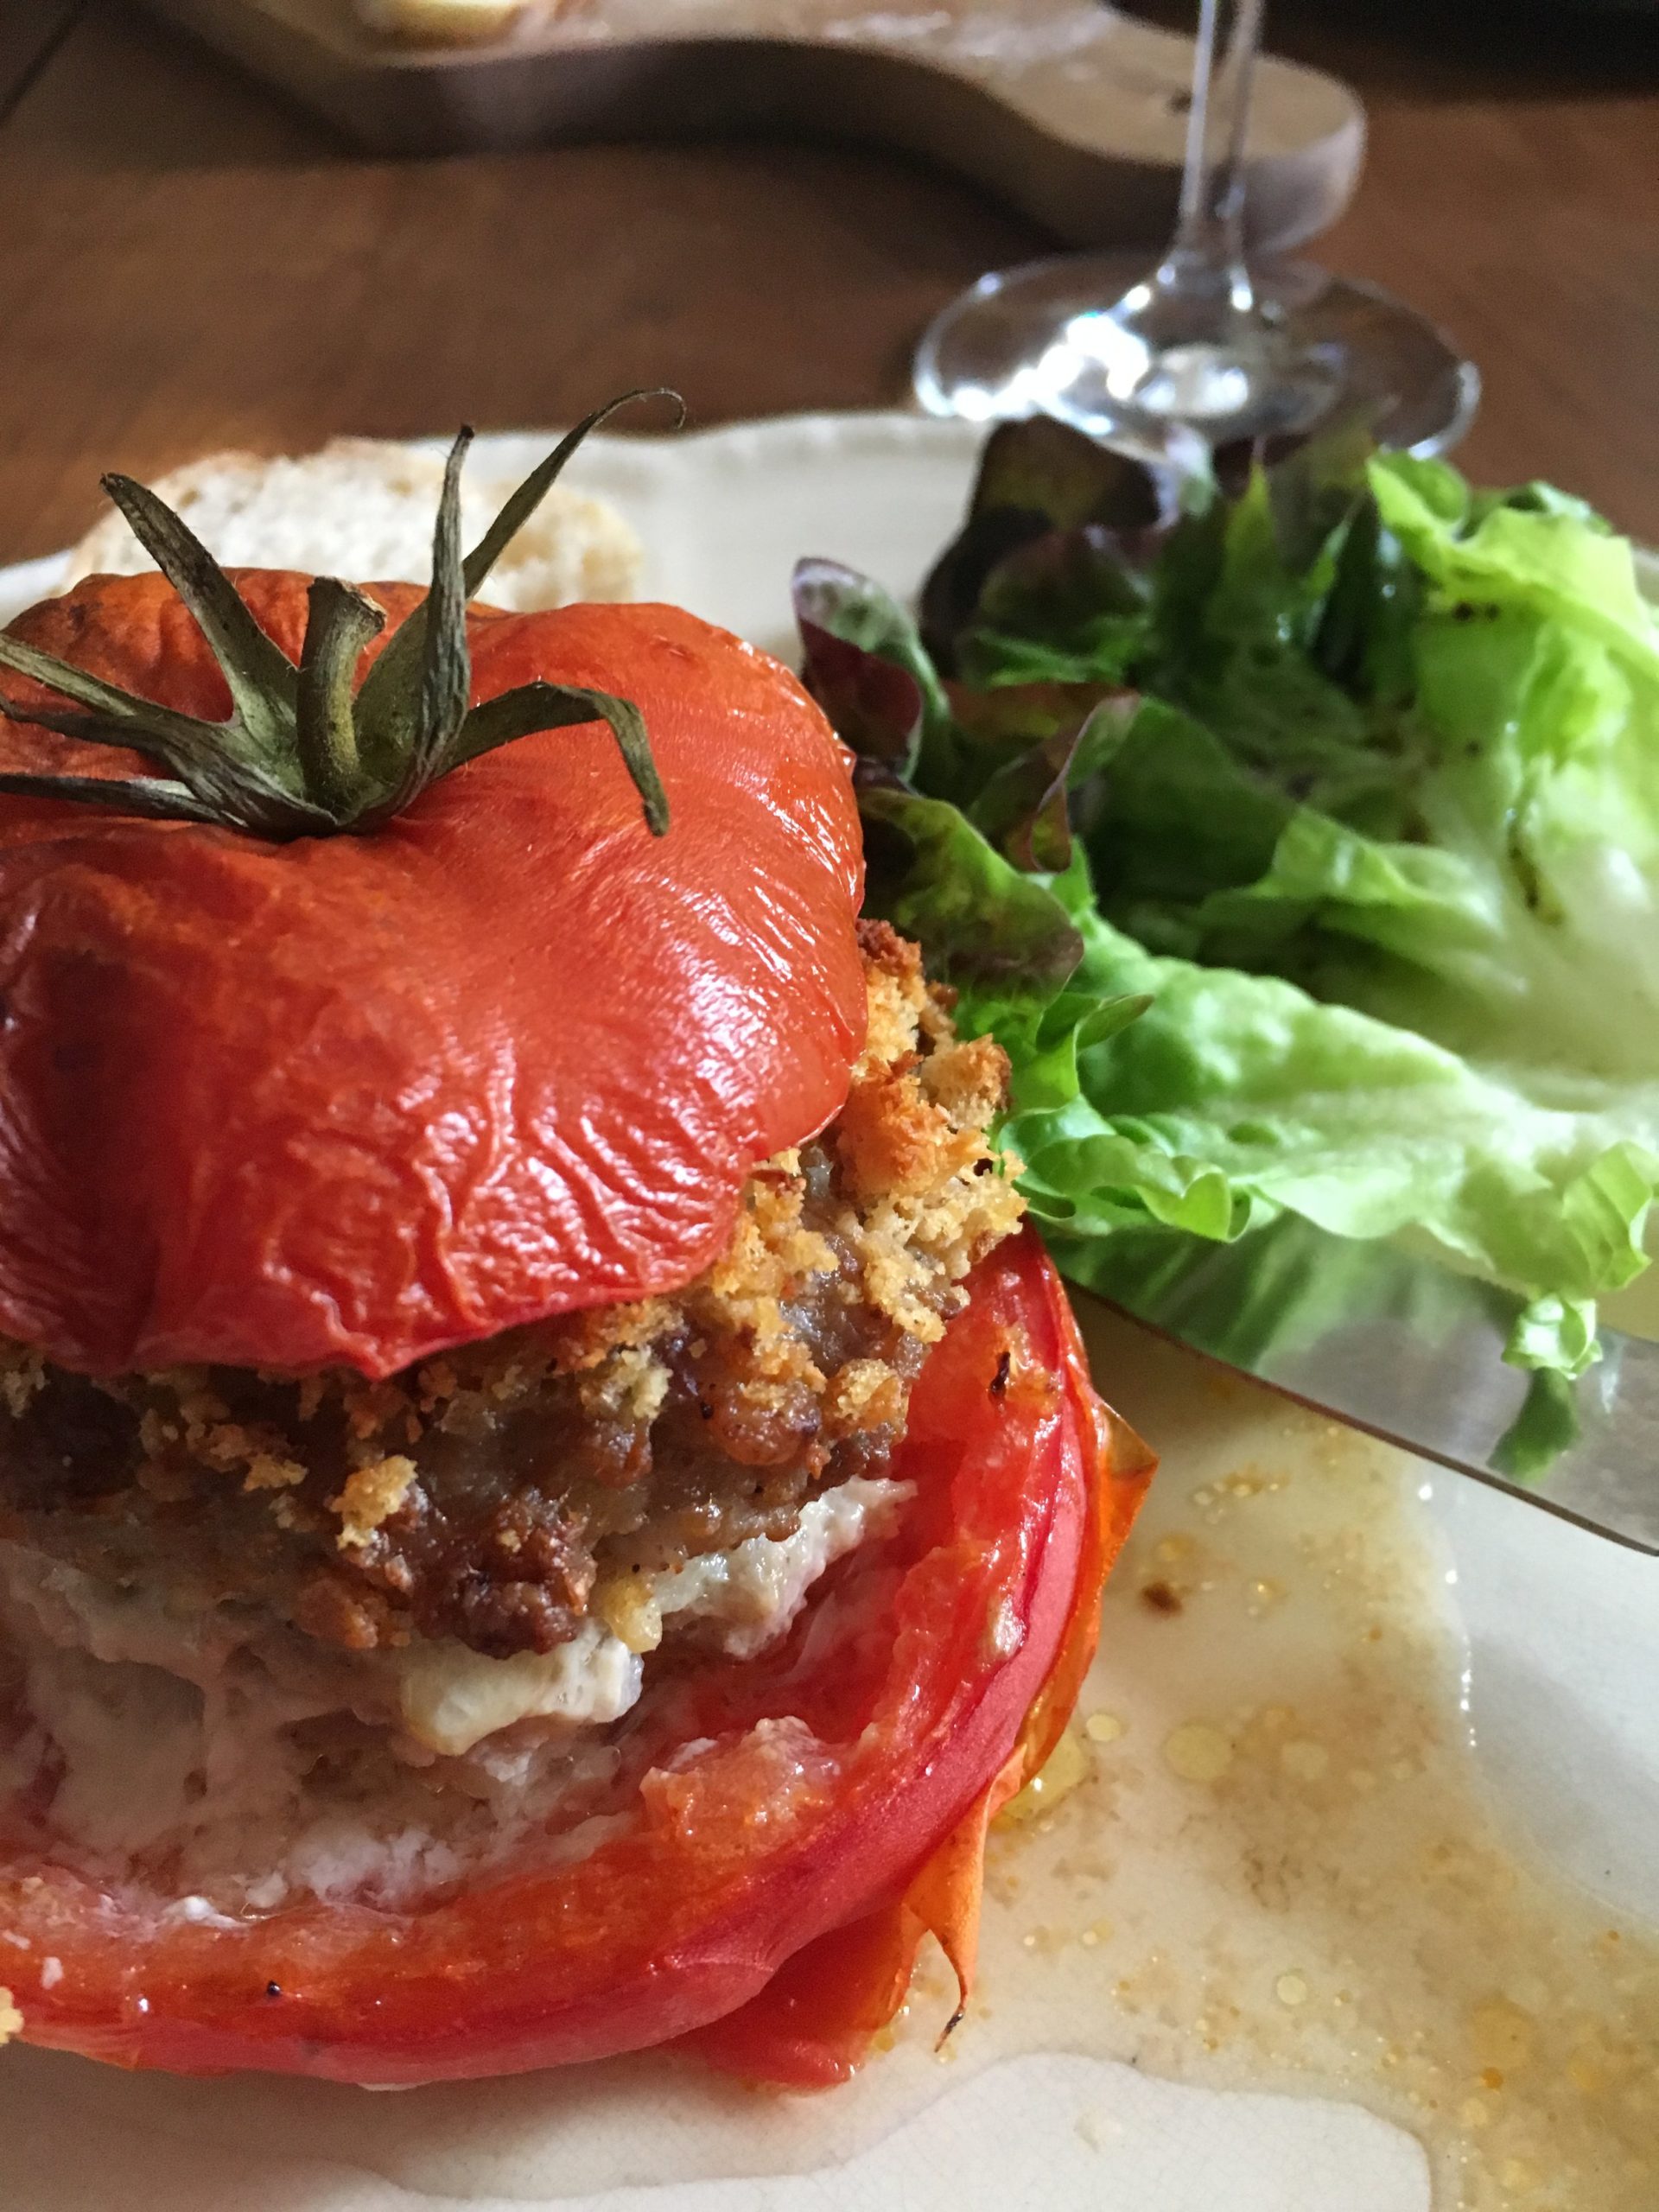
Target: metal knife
<point>1397,1345</point>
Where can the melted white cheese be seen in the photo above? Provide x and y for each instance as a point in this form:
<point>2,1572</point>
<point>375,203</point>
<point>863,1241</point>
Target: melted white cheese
<point>759,1586</point>
<point>450,1698</point>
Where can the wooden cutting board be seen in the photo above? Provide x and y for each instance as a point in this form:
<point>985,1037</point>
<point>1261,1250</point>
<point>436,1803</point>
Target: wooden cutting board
<point>1066,108</point>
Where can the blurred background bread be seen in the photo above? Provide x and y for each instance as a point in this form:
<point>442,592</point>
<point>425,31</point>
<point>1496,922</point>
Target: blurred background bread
<point>363,509</point>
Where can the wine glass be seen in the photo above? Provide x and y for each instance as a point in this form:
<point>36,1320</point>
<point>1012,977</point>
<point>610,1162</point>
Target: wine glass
<point>1205,343</point>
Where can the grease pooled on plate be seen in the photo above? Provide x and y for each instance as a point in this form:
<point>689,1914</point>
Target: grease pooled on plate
<point>1268,1859</point>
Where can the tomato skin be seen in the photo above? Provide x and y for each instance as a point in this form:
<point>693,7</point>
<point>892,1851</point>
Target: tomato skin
<point>355,1099</point>
<point>686,1920</point>
<point>810,2027</point>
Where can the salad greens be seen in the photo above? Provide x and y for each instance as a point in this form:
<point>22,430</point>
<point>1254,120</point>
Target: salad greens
<point>1298,835</point>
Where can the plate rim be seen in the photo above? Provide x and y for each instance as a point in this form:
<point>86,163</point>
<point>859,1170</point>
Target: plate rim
<point>23,582</point>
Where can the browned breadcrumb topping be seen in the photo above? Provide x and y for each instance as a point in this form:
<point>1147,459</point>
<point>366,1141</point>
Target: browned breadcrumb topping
<point>501,1492</point>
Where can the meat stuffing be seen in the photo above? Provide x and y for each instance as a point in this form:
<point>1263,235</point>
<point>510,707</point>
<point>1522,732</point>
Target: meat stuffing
<point>512,1494</point>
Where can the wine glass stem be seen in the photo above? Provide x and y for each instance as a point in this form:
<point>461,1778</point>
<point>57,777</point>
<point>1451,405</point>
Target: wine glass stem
<point>1205,258</point>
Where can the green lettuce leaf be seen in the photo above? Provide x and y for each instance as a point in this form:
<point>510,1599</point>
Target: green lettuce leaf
<point>1237,1097</point>
<point>1300,838</point>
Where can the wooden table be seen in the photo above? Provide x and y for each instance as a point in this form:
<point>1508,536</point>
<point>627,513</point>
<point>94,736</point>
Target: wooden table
<point>185,263</point>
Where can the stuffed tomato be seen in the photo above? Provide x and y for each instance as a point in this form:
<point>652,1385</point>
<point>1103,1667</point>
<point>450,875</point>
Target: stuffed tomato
<point>546,1495</point>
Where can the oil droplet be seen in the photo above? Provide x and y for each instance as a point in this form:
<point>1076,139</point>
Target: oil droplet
<point>1291,1989</point>
<point>1103,1727</point>
<point>1067,1765</point>
<point>1197,1753</point>
<point>1303,1760</point>
<point>1501,2034</point>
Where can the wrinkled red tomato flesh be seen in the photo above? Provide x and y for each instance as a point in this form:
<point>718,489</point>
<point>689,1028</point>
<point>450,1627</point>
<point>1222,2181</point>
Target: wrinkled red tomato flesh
<point>286,1106</point>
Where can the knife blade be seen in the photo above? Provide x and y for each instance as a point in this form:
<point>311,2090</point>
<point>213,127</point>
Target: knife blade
<point>1400,1346</point>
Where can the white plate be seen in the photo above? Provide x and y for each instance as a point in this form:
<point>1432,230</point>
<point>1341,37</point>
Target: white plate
<point>1562,1651</point>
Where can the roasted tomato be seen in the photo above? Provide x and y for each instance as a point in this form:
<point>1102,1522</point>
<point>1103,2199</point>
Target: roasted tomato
<point>284,1099</point>
<point>379,1022</point>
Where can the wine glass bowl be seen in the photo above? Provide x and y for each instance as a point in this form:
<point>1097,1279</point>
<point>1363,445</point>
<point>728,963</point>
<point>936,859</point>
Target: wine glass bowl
<point>1206,344</point>
<point>1037,339</point>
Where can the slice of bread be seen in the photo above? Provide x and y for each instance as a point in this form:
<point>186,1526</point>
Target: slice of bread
<point>363,509</point>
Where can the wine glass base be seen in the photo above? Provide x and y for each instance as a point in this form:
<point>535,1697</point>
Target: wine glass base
<point>1045,338</point>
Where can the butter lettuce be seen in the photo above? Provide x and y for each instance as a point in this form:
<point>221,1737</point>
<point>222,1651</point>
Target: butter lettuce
<point>1298,836</point>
